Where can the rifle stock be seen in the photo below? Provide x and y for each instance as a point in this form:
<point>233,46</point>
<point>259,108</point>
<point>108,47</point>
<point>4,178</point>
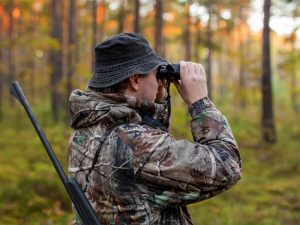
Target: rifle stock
<point>71,185</point>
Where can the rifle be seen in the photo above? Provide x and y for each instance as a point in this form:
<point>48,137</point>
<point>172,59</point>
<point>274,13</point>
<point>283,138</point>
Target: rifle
<point>78,198</point>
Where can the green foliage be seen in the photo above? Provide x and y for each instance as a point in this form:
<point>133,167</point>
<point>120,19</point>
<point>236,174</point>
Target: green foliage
<point>31,192</point>
<point>268,193</point>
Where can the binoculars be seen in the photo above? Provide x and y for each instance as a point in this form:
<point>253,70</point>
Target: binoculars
<point>169,72</point>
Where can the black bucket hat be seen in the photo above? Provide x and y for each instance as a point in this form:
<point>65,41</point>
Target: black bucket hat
<point>121,56</point>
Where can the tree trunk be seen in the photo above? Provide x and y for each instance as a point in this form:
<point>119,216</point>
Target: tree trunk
<point>209,55</point>
<point>64,42</point>
<point>56,58</point>
<point>137,16</point>
<point>32,60</point>
<point>242,72</point>
<point>187,33</point>
<point>158,44</point>
<point>223,75</point>
<point>101,20</point>
<point>94,34</point>
<point>121,17</point>
<point>1,65</point>
<point>11,53</point>
<point>268,126</point>
<point>294,88</point>
<point>197,40</point>
<point>72,43</point>
<point>293,72</point>
<point>222,65</point>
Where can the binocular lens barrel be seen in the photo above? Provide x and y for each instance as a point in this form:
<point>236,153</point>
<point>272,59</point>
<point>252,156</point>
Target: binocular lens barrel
<point>170,72</point>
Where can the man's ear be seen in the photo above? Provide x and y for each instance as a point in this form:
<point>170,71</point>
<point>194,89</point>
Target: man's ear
<point>133,82</point>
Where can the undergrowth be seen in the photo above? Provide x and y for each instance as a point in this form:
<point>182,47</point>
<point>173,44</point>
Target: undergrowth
<point>268,193</point>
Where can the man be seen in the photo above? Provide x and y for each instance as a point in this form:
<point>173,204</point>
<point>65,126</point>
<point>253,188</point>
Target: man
<point>130,168</point>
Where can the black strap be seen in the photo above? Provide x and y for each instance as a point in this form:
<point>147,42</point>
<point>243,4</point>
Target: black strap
<point>148,120</point>
<point>168,104</point>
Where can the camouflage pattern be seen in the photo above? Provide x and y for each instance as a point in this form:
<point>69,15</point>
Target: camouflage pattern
<point>133,173</point>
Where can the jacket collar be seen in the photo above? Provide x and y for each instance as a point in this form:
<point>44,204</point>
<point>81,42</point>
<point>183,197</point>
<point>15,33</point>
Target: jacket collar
<point>90,107</point>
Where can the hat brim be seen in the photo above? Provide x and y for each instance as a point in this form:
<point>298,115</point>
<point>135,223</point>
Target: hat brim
<point>117,73</point>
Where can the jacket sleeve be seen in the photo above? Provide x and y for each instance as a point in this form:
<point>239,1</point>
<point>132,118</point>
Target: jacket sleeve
<point>181,172</point>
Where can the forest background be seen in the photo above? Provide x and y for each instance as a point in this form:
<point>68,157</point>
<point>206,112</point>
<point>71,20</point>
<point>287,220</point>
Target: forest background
<point>250,50</point>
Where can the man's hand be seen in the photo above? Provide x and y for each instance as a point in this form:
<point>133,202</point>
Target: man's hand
<point>162,91</point>
<point>192,84</point>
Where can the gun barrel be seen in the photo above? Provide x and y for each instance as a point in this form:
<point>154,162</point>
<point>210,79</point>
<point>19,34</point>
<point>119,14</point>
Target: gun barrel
<point>78,198</point>
<point>18,93</point>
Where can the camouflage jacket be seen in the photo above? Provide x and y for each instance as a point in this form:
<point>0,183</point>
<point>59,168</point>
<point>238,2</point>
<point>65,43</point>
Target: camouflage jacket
<point>133,173</point>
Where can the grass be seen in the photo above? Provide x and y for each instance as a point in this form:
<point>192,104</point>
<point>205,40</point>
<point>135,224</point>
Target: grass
<point>268,193</point>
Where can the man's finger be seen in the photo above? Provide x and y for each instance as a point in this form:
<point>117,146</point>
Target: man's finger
<point>183,70</point>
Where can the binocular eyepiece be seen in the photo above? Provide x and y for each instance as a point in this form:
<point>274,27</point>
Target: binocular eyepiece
<point>169,72</point>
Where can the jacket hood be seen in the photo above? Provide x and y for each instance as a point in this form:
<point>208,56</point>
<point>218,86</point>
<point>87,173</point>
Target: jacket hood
<point>89,107</point>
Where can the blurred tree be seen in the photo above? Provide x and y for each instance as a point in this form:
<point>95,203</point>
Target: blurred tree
<point>31,64</point>
<point>268,126</point>
<point>158,43</point>
<point>291,57</point>
<point>11,51</point>
<point>137,16</point>
<point>121,16</point>
<point>101,19</point>
<point>223,69</point>
<point>2,38</point>
<point>56,57</point>
<point>64,45</point>
<point>289,65</point>
<point>209,45</point>
<point>245,63</point>
<point>94,30</point>
<point>72,45</point>
<point>295,88</point>
<point>187,32</point>
<point>242,32</point>
<point>294,57</point>
<point>226,45</point>
<point>240,14</point>
<point>198,27</point>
